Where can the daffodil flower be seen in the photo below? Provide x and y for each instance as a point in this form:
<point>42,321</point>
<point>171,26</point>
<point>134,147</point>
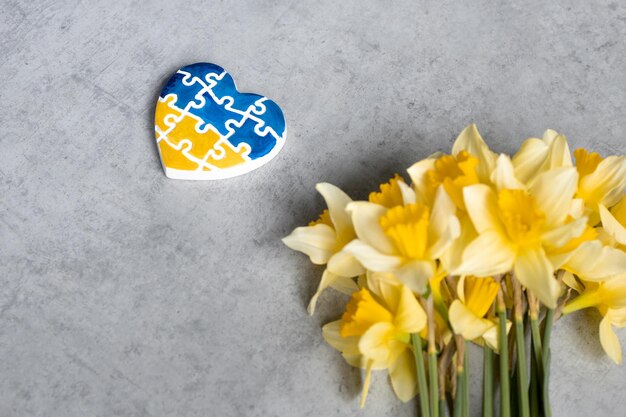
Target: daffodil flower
<point>374,333</point>
<point>467,313</point>
<point>609,297</point>
<point>405,240</point>
<point>519,228</point>
<point>601,181</point>
<point>323,241</point>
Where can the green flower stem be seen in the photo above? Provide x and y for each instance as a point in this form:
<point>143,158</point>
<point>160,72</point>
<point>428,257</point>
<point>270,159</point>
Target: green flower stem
<point>546,355</point>
<point>487,381</point>
<point>432,359</point>
<point>432,373</point>
<point>505,396</point>
<point>536,341</point>
<point>534,388</point>
<point>458,399</point>
<point>421,374</point>
<point>466,385</point>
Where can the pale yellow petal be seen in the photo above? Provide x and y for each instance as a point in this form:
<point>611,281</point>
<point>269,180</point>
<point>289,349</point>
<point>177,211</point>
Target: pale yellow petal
<point>374,343</point>
<point>409,314</point>
<point>554,190</point>
<point>327,280</point>
<point>345,345</point>
<point>444,226</point>
<point>488,254</point>
<point>403,376</point>
<point>503,176</point>
<point>452,258</point>
<point>536,156</point>
<point>371,258</point>
<point>534,271</point>
<point>366,383</point>
<point>465,323</point>
<point>470,140</point>
<point>529,159</point>
<point>417,173</point>
<point>490,337</point>
<point>594,261</point>
<point>318,242</point>
<point>612,226</point>
<point>366,219</point>
<point>336,201</point>
<point>561,235</point>
<point>416,274</point>
<point>481,203</point>
<point>408,194</point>
<point>606,184</point>
<point>378,282</point>
<point>610,342</point>
<point>570,280</point>
<point>345,265</point>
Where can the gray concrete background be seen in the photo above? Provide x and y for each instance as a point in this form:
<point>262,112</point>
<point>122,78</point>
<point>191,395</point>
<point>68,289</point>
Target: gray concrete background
<point>124,293</point>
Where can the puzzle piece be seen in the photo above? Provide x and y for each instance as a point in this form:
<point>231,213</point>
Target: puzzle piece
<point>216,131</point>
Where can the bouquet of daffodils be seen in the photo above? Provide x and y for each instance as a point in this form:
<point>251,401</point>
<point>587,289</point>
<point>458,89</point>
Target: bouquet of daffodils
<point>480,248</point>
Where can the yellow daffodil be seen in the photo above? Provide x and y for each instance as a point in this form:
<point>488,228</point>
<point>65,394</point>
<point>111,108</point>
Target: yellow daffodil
<point>609,297</point>
<point>471,162</point>
<point>405,240</point>
<point>601,181</point>
<point>536,156</point>
<point>374,333</point>
<point>323,240</point>
<point>520,228</point>
<point>467,313</point>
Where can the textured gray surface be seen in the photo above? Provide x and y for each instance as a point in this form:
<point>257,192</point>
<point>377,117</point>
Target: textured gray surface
<point>123,293</point>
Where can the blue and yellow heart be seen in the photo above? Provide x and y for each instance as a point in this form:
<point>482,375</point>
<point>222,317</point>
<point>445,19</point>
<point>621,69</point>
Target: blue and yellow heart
<point>206,129</point>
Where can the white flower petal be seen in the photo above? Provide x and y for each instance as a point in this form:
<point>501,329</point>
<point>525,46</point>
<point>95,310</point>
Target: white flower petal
<point>529,158</point>
<point>534,271</point>
<point>612,226</point>
<point>594,261</point>
<point>443,227</point>
<point>610,342</point>
<point>417,172</point>
<point>488,254</point>
<point>561,235</point>
<point>481,203</point>
<point>503,177</point>
<point>366,219</point>
<point>336,201</point>
<point>408,194</point>
<point>409,316</point>
<point>465,323</point>
<point>470,141</point>
<point>318,242</point>
<point>345,265</point>
<point>371,258</point>
<point>328,279</point>
<point>403,376</point>
<point>554,190</point>
<point>606,184</point>
<point>415,275</point>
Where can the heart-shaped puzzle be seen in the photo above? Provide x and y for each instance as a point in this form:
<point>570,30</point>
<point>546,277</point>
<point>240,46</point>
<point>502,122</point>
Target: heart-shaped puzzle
<point>207,130</point>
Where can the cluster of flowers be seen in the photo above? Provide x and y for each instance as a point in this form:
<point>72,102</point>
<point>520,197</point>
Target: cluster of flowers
<point>477,247</point>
